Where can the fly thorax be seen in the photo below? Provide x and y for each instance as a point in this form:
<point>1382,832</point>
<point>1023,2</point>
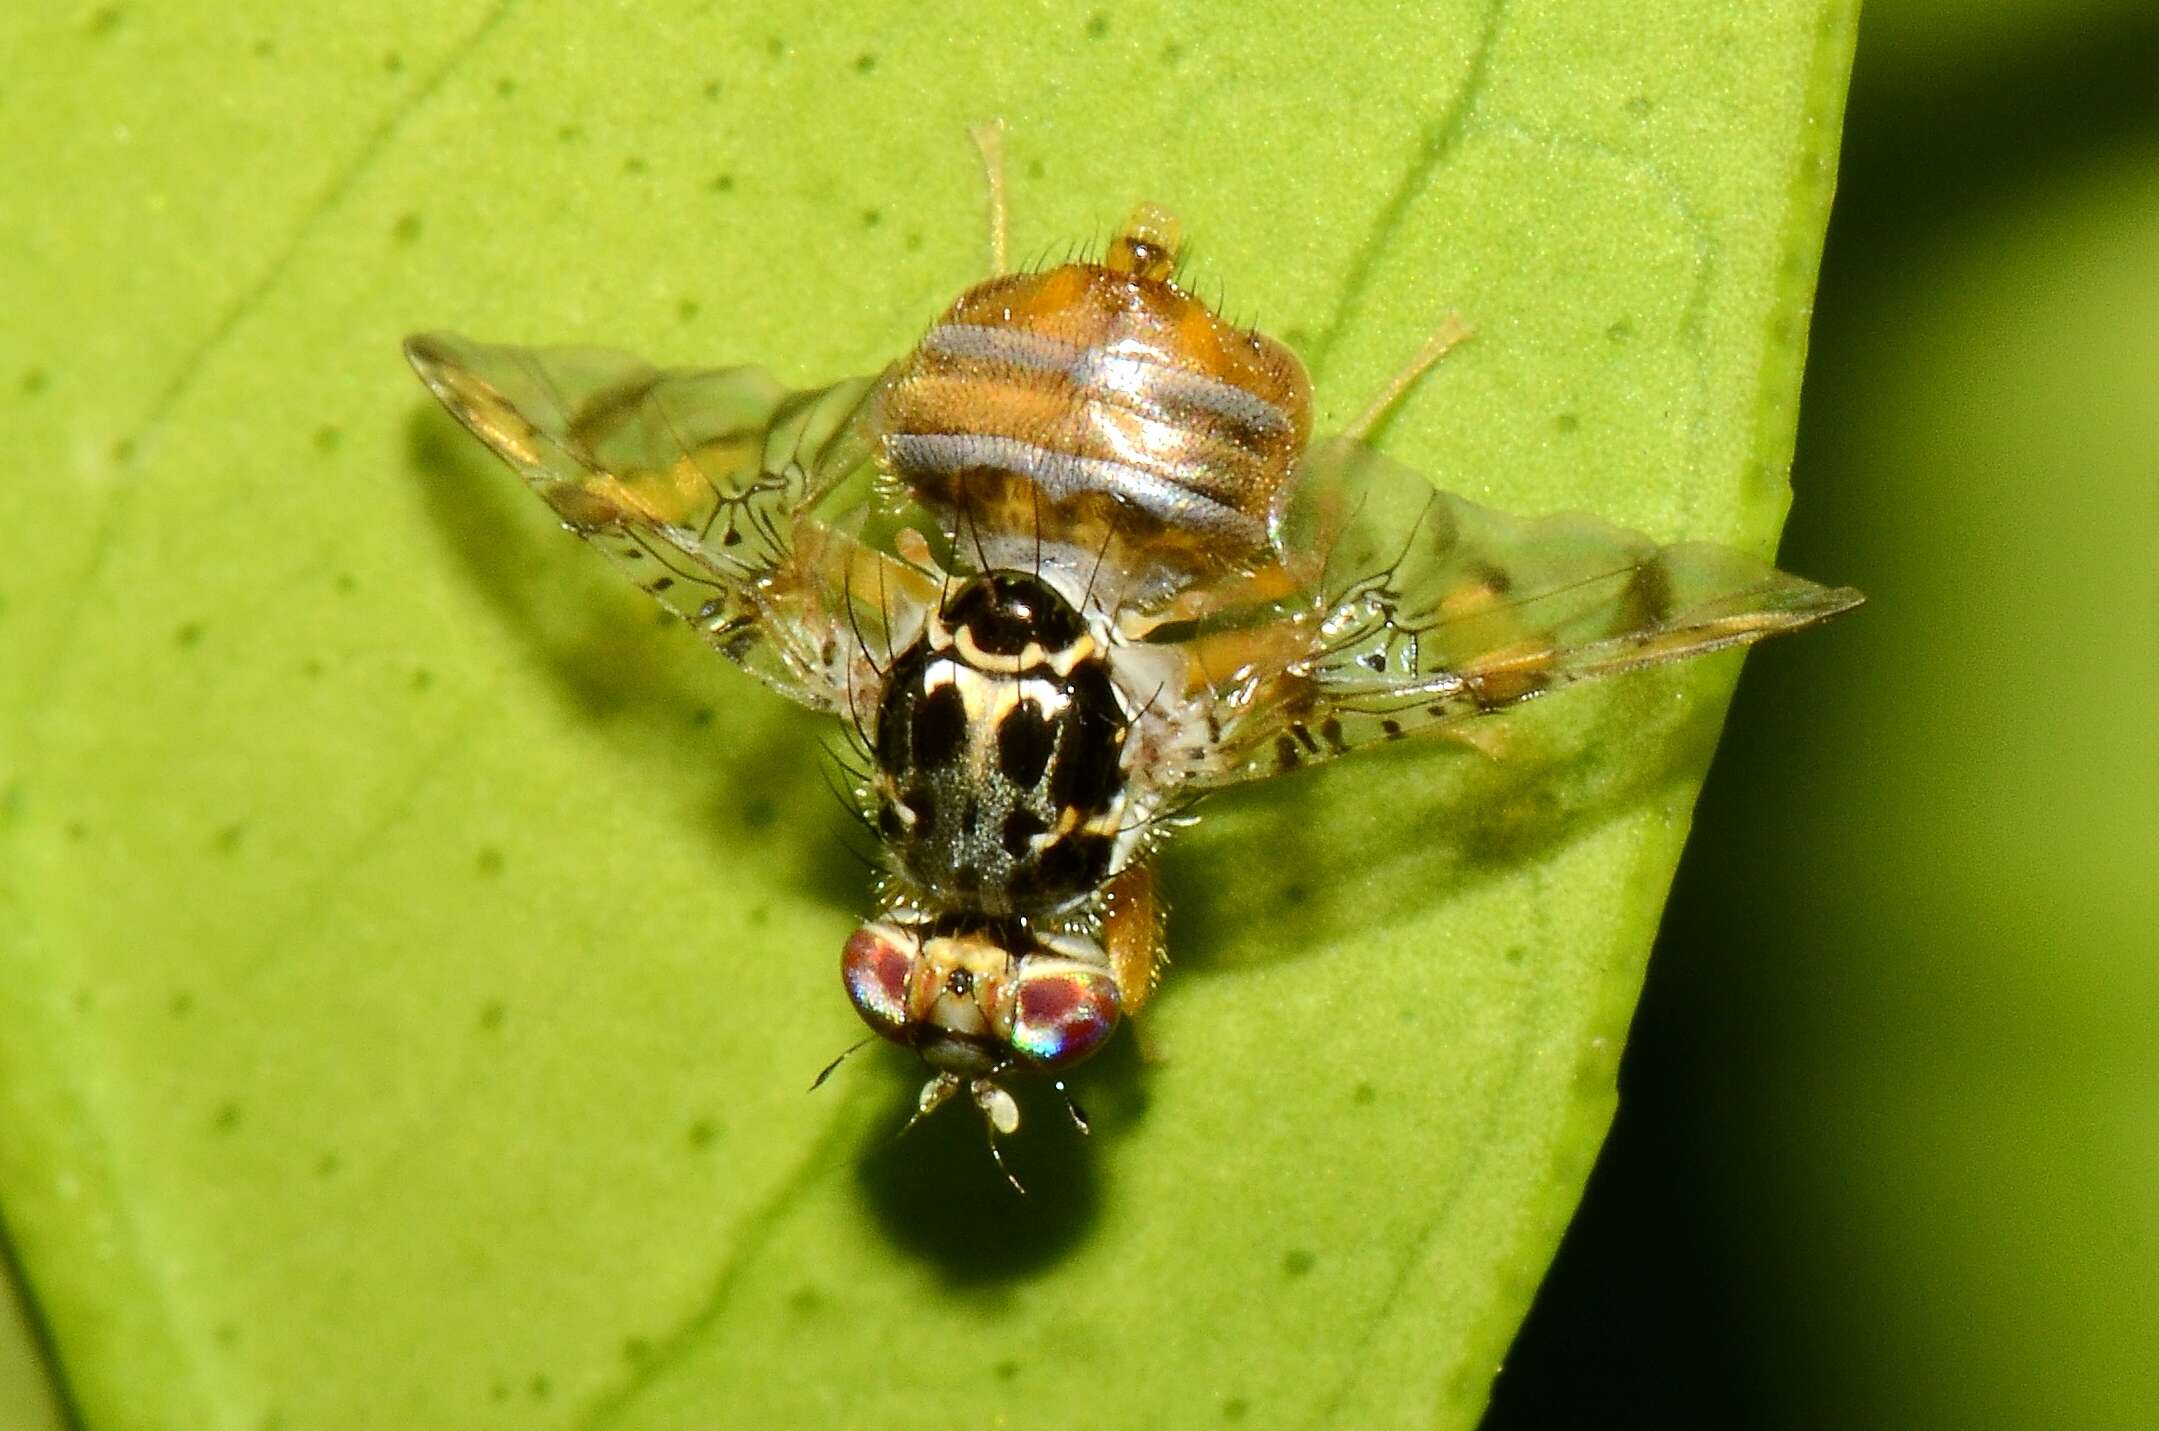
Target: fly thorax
<point>999,745</point>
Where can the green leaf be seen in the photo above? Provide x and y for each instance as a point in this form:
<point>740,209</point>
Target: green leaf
<point>412,955</point>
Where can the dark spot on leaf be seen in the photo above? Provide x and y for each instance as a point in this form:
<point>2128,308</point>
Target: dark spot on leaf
<point>407,228</point>
<point>865,63</point>
<point>635,1349</point>
<point>183,1003</point>
<point>328,440</point>
<point>1172,52</point>
<point>1639,105</point>
<point>541,1387</point>
<point>805,1300</point>
<point>1516,953</point>
<point>569,134</point>
<point>723,184</point>
<point>422,679</point>
<point>35,381</point>
<point>263,49</point>
<point>393,63</point>
<point>226,1118</point>
<point>345,584</point>
<point>187,633</point>
<point>1620,331</point>
<point>1005,1370</point>
<point>489,861</point>
<point>759,813</point>
<point>105,20</point>
<point>686,310</point>
<point>1235,1408</point>
<point>1097,26</point>
<point>226,1333</point>
<point>704,1133</point>
<point>505,87</point>
<point>1296,1262</point>
<point>635,164</point>
<point>871,218</point>
<point>227,839</point>
<point>123,451</point>
<point>492,1014</point>
<point>1567,422</point>
<point>712,89</point>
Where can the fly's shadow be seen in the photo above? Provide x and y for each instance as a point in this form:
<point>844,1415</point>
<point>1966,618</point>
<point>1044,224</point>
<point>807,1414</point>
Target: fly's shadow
<point>635,675</point>
<point>938,1196</point>
<point>1433,822</point>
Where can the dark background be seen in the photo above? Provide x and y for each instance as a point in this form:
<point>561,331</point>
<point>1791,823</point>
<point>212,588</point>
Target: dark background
<point>1887,1151</point>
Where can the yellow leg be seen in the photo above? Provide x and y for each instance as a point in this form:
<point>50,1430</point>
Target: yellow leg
<point>1451,332</point>
<point>989,137</point>
<point>1132,935</point>
<point>1486,739</point>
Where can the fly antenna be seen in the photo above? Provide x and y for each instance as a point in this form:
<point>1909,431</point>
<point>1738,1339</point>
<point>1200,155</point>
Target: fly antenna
<point>819,1081</point>
<point>1079,1114</point>
<point>998,1157</point>
<point>929,1100</point>
<point>1000,1114</point>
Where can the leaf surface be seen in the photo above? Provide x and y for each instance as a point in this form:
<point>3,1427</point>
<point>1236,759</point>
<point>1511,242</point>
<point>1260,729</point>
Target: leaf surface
<point>412,955</point>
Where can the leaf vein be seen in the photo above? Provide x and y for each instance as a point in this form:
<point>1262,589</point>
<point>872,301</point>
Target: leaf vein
<point>1441,138</point>
<point>112,521</point>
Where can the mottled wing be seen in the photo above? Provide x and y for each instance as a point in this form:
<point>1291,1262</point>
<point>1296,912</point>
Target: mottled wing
<point>705,487</point>
<point>1433,609</point>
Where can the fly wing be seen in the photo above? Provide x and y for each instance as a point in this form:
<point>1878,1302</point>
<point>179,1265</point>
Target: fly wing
<point>1429,609</point>
<point>711,489</point>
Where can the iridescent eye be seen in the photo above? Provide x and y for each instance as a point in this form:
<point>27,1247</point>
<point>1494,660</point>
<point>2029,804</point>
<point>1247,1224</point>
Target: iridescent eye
<point>1062,1014</point>
<point>877,966</point>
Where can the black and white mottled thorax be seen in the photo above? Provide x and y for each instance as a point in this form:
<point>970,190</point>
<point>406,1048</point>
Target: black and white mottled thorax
<point>1002,745</point>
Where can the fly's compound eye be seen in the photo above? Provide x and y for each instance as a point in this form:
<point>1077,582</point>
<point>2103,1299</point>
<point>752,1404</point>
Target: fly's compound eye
<point>1062,1013</point>
<point>878,966</point>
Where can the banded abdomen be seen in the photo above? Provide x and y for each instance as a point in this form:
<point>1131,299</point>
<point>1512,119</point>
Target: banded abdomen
<point>1092,396</point>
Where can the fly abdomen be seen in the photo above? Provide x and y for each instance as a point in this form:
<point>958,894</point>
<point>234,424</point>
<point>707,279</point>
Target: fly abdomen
<point>1055,405</point>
